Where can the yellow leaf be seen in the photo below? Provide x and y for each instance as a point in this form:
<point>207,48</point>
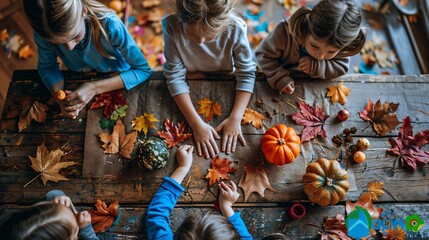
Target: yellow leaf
<point>375,189</point>
<point>4,35</point>
<point>254,117</point>
<point>25,52</point>
<point>338,93</point>
<point>119,141</point>
<point>209,108</point>
<point>48,164</point>
<point>143,122</point>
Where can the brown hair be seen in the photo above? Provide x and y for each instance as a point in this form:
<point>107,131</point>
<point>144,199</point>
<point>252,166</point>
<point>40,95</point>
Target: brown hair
<point>209,226</point>
<point>38,222</point>
<point>337,21</point>
<point>53,19</point>
<point>213,14</point>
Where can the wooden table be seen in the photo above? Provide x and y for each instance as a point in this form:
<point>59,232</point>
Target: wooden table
<point>406,192</point>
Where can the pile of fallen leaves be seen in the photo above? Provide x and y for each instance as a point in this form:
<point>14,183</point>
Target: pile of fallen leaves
<point>13,43</point>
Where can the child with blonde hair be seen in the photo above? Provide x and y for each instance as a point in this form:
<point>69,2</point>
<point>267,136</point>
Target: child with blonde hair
<point>210,226</point>
<point>315,41</point>
<point>207,36</point>
<point>53,219</point>
<point>87,36</point>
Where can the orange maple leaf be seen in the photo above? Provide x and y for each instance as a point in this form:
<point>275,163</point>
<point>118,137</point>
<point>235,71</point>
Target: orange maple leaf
<point>48,164</point>
<point>375,190</point>
<point>395,234</point>
<point>209,108</point>
<point>364,201</point>
<point>174,135</point>
<point>338,93</point>
<point>25,52</point>
<point>36,111</point>
<point>254,179</point>
<point>220,169</point>
<point>104,216</point>
<point>254,117</point>
<point>4,35</point>
<point>119,141</point>
<point>144,122</point>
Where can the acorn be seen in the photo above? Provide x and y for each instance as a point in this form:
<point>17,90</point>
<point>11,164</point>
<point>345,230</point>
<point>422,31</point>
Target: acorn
<point>343,115</point>
<point>363,144</point>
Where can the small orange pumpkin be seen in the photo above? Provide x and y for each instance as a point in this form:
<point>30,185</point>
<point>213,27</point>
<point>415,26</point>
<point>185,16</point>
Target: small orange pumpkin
<point>280,144</point>
<point>325,182</point>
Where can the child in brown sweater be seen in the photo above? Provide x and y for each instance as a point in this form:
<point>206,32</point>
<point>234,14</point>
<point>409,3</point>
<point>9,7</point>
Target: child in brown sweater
<point>317,42</point>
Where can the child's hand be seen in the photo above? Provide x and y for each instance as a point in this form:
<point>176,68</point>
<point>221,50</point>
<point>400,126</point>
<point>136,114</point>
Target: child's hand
<point>184,156</point>
<point>228,194</point>
<point>231,131</point>
<point>78,99</point>
<point>204,136</point>
<point>83,219</point>
<point>289,89</point>
<point>63,200</point>
<point>305,64</point>
<point>70,114</point>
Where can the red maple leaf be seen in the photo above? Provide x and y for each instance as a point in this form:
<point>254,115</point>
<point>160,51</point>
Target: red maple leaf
<point>110,100</point>
<point>312,119</point>
<point>174,135</point>
<point>104,216</point>
<point>408,147</point>
<point>220,169</point>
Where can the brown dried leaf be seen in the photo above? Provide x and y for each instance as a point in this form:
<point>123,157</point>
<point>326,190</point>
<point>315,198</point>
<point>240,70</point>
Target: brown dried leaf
<point>174,135</point>
<point>254,179</point>
<point>375,190</point>
<point>103,217</point>
<point>334,228</point>
<point>36,111</point>
<point>381,116</point>
<point>209,108</point>
<point>365,202</point>
<point>254,117</point>
<point>338,93</point>
<point>395,234</point>
<point>119,141</point>
<point>48,164</point>
<point>221,167</point>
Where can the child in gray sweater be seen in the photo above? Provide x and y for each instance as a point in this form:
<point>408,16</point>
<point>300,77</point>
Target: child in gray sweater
<point>317,42</point>
<point>207,36</point>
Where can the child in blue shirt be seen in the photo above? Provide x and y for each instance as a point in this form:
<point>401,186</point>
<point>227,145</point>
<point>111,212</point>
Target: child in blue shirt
<point>87,36</point>
<point>51,219</point>
<point>210,226</point>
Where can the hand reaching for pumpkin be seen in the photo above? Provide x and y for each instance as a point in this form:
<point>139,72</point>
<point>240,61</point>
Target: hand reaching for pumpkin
<point>228,196</point>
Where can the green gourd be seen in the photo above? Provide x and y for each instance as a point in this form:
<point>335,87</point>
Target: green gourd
<point>152,153</point>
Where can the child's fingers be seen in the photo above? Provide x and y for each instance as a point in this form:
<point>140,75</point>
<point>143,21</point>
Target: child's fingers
<point>233,186</point>
<point>234,143</point>
<point>213,144</point>
<point>241,139</point>
<point>199,149</point>
<point>215,134</point>
<point>190,149</point>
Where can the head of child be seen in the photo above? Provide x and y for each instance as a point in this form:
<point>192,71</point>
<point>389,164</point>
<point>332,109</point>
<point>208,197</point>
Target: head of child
<point>332,28</point>
<point>63,21</point>
<point>43,221</point>
<point>204,20</point>
<point>209,226</point>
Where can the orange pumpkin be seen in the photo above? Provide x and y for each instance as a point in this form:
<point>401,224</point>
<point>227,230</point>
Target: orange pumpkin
<point>325,182</point>
<point>280,144</point>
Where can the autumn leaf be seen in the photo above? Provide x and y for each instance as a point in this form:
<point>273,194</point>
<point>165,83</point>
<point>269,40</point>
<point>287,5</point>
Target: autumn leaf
<point>334,228</point>
<point>254,117</point>
<point>25,52</point>
<point>408,147</point>
<point>110,101</point>
<point>312,119</point>
<point>36,111</point>
<point>209,108</point>
<point>338,93</point>
<point>107,123</point>
<point>119,141</point>
<point>221,167</point>
<point>381,116</point>
<point>365,202</point>
<point>254,179</point>
<point>104,217</point>
<point>119,112</point>
<point>48,164</point>
<point>144,122</point>
<point>395,234</point>
<point>4,35</point>
<point>174,134</point>
<point>375,190</point>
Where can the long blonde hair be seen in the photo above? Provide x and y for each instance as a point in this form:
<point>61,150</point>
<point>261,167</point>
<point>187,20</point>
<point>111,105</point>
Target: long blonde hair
<point>53,19</point>
<point>39,222</point>
<point>338,21</point>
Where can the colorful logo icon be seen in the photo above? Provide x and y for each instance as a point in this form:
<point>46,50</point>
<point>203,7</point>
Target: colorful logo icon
<point>413,223</point>
<point>358,223</point>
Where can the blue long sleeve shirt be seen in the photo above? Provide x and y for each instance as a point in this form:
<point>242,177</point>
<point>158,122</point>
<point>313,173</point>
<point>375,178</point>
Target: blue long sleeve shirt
<point>129,60</point>
<point>86,233</point>
<point>158,213</point>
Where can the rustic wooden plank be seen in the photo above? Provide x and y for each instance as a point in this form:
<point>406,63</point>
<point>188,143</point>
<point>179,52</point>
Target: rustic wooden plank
<point>260,221</point>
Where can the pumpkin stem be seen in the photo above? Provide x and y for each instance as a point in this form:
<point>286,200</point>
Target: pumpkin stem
<point>281,141</point>
<point>328,182</point>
